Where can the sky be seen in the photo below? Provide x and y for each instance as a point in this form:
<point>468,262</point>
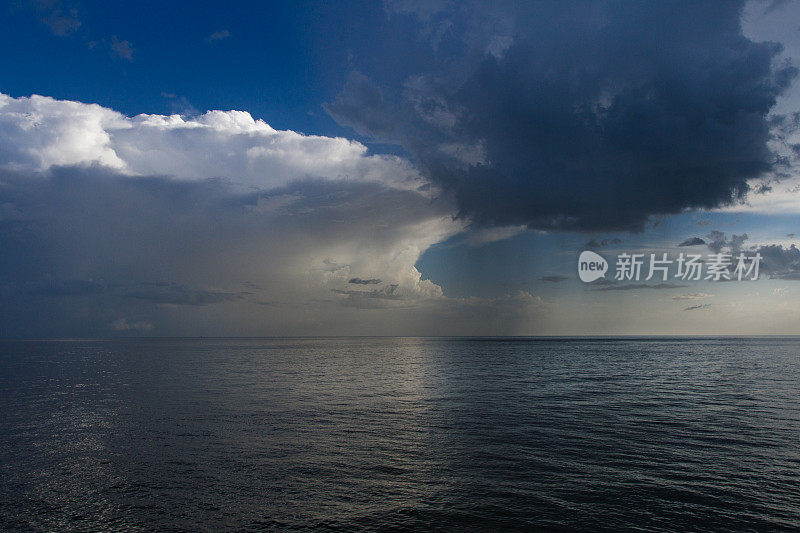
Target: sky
<point>396,168</point>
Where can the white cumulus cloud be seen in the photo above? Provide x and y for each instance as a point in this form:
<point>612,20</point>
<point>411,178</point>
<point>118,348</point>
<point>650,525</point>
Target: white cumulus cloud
<point>215,224</point>
<point>41,132</point>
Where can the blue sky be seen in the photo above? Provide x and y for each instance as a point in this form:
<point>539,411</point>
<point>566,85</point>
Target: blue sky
<point>454,160</point>
<point>264,63</point>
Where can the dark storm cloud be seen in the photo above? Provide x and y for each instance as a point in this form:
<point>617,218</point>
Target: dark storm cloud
<point>693,241</point>
<point>362,107</point>
<point>574,115</point>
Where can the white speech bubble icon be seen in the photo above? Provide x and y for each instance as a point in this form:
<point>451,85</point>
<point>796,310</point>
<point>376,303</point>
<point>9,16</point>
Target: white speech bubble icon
<point>591,266</point>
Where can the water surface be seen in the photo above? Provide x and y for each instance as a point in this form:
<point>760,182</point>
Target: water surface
<point>400,434</point>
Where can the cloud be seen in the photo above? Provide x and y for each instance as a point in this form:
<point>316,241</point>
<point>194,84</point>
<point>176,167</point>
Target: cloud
<point>160,242</point>
<point>359,281</point>
<point>697,307</point>
<point>717,242</point>
<point>218,35</point>
<point>482,236</point>
<point>780,262</point>
<point>59,287</point>
<point>180,105</point>
<point>692,296</point>
<point>192,225</point>
<point>693,241</point>
<point>761,188</point>
<point>779,190</point>
<point>175,294</point>
<point>122,324</point>
<point>162,293</point>
<point>367,299</point>
<point>564,115</point>
<point>594,244</point>
<point>63,24</point>
<point>39,132</point>
<point>60,17</point>
<point>361,105</point>
<point>636,286</point>
<point>777,261</point>
<point>122,49</point>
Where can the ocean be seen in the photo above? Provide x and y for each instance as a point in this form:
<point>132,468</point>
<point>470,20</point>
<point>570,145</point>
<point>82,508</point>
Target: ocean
<point>400,434</point>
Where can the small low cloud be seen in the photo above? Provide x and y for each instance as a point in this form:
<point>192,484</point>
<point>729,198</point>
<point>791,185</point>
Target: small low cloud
<point>718,241</point>
<point>762,188</point>
<point>483,236</point>
<point>595,244</point>
<point>634,286</point>
<point>61,18</point>
<point>175,294</point>
<point>122,49</point>
<point>359,281</point>
<point>389,296</point>
<point>218,35</point>
<point>122,324</point>
<point>698,307</point>
<point>62,23</point>
<point>554,279</point>
<point>780,262</point>
<point>693,241</point>
<point>692,296</point>
<point>180,105</point>
<point>60,287</point>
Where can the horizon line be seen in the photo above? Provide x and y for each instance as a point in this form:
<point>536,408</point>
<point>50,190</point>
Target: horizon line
<point>460,337</point>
